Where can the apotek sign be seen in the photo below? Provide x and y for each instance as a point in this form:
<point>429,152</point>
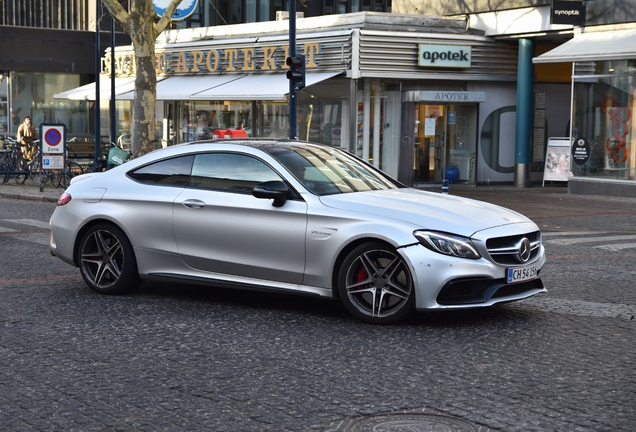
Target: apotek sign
<point>451,96</point>
<point>444,56</point>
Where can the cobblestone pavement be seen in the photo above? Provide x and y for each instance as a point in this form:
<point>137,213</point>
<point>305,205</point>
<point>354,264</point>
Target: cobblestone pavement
<point>180,357</point>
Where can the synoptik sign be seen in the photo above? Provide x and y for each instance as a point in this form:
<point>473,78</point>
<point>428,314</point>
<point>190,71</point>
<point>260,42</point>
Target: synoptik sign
<point>445,56</point>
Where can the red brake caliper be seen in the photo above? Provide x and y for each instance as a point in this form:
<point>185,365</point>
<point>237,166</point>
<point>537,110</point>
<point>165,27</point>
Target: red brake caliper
<point>361,275</point>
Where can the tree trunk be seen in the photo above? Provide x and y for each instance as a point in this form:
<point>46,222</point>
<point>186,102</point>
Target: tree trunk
<point>143,40</point>
<point>140,24</point>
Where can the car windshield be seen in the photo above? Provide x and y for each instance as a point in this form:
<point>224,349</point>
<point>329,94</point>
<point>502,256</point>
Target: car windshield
<point>328,171</point>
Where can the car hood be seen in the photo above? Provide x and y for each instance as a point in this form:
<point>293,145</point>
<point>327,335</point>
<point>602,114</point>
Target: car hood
<point>427,210</point>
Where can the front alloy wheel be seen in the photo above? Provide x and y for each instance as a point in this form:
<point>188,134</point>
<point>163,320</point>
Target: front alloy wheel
<point>107,260</point>
<point>376,285</point>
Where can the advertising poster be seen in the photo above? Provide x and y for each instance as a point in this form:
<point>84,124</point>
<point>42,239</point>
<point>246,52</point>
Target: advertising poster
<point>557,160</point>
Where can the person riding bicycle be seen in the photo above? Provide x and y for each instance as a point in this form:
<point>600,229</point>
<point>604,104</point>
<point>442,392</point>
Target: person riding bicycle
<point>25,136</point>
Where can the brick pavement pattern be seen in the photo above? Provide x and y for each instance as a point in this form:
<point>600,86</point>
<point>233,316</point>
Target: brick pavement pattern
<point>181,357</point>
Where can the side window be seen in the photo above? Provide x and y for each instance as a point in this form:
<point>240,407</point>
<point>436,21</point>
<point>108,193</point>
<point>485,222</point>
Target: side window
<point>229,172</point>
<point>173,172</point>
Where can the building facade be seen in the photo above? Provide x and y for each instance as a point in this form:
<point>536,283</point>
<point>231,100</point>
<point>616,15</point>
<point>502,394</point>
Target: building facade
<point>602,102</point>
<point>412,95</point>
<point>585,57</point>
<point>47,47</point>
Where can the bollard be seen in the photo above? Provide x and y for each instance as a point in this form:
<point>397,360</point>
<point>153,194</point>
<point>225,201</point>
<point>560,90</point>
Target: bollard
<point>445,186</point>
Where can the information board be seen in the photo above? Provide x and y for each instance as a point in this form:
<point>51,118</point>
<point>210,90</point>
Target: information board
<point>557,160</point>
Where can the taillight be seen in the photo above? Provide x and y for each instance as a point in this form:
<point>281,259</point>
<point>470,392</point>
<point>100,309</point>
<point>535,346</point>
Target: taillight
<point>64,199</point>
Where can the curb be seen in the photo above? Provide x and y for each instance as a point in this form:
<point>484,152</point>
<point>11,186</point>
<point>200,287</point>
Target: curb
<point>29,197</point>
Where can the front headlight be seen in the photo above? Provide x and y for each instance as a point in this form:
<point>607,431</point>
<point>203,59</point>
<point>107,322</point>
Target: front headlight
<point>447,244</point>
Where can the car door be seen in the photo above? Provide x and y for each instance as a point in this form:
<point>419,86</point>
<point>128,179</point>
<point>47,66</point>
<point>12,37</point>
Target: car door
<point>220,227</point>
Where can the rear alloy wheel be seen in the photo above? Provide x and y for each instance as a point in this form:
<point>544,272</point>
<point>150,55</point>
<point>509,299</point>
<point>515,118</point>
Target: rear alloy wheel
<point>375,284</point>
<point>107,260</point>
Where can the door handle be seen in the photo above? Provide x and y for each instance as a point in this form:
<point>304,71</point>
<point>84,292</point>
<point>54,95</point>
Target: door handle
<point>194,203</point>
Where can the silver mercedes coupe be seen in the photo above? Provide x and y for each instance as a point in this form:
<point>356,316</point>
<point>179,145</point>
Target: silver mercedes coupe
<point>293,217</point>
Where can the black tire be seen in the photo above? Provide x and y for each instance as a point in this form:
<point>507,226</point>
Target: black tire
<point>21,166</point>
<point>107,260</point>
<point>55,177</point>
<point>5,166</point>
<point>36,172</point>
<point>375,284</point>
<point>73,169</point>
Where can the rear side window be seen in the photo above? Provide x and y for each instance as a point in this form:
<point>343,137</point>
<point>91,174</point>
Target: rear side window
<point>229,172</point>
<point>172,172</point>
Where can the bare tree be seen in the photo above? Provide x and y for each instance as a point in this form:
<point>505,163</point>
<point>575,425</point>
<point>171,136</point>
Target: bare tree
<point>143,28</point>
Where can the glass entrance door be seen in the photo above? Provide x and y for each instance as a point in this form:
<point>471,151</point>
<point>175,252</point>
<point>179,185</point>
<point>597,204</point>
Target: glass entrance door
<point>430,133</point>
<point>445,143</point>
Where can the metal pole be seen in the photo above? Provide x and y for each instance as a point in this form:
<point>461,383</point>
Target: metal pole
<point>525,89</point>
<point>292,53</point>
<point>98,70</point>
<point>113,126</point>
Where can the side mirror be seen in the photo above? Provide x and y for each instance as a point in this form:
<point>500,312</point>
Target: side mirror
<point>275,189</point>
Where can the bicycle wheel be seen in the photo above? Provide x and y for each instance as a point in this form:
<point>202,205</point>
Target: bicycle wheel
<point>93,167</point>
<point>20,165</point>
<point>36,172</point>
<point>56,177</point>
<point>4,166</point>
<point>73,169</point>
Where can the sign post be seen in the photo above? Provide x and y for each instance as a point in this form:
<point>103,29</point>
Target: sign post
<point>52,148</point>
<point>292,84</point>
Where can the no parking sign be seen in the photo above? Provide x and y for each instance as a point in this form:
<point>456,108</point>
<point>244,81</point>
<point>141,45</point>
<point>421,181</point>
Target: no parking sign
<point>53,138</point>
<point>53,145</point>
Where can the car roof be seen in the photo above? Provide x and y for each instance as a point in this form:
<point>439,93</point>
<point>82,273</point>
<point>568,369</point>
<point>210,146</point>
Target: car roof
<point>260,143</point>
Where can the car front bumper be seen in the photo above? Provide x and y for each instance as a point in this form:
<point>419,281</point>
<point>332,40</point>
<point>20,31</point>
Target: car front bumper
<point>443,282</point>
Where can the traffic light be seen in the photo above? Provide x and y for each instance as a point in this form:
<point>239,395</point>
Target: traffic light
<point>296,71</point>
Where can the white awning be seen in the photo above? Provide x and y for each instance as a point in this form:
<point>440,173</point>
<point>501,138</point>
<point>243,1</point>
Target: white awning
<point>87,92</point>
<point>597,46</point>
<point>182,87</point>
<point>257,87</point>
<point>274,87</point>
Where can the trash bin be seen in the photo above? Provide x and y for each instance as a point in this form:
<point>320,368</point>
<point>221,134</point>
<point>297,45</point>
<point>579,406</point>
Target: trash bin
<point>451,173</point>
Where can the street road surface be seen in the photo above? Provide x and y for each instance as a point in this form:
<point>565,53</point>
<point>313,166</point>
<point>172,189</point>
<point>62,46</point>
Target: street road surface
<point>182,357</point>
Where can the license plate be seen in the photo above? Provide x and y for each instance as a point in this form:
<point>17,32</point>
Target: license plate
<point>520,274</point>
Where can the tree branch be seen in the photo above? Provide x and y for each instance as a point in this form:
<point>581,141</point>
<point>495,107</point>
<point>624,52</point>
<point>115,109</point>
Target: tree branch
<point>166,19</point>
<point>120,14</point>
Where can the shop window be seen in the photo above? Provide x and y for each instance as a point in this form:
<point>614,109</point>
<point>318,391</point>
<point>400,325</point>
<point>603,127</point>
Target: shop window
<point>329,7</point>
<point>604,121</point>
<point>200,119</point>
<point>250,11</point>
<point>264,10</point>
<point>32,94</point>
<point>4,107</point>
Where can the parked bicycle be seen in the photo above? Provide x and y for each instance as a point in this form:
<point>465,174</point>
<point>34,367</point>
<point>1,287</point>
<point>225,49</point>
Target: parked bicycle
<point>116,156</point>
<point>38,175</point>
<point>71,169</point>
<point>12,163</point>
